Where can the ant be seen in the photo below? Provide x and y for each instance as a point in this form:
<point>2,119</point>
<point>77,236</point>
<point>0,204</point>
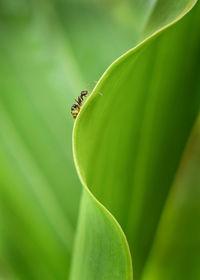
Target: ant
<point>75,109</point>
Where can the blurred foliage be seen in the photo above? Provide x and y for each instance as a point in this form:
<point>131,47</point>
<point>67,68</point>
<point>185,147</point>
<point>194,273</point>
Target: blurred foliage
<point>49,51</point>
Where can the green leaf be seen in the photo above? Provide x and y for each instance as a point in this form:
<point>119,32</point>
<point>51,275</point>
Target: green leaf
<point>49,51</point>
<point>101,251</point>
<point>43,61</point>
<point>175,254</point>
<point>128,140</point>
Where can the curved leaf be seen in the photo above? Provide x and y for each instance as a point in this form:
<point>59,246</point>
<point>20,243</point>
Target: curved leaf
<point>128,141</point>
<point>99,241</point>
<point>43,58</point>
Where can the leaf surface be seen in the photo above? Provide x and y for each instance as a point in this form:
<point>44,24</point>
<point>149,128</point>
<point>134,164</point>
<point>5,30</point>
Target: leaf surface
<point>49,51</point>
<point>129,138</point>
<point>175,254</point>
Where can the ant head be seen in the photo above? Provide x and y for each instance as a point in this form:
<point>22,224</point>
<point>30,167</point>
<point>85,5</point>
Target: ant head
<point>84,92</point>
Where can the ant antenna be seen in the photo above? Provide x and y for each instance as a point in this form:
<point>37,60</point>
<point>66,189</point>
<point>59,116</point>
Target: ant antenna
<point>92,82</point>
<point>98,92</point>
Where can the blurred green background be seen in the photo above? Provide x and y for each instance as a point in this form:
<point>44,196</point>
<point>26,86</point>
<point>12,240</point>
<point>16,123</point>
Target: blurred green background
<point>49,52</point>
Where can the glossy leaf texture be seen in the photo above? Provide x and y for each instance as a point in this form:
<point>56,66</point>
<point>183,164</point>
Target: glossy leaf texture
<point>128,142</point>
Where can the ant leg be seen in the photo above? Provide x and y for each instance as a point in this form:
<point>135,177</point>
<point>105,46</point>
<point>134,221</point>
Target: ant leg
<point>80,99</point>
<point>98,92</point>
<point>78,104</point>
